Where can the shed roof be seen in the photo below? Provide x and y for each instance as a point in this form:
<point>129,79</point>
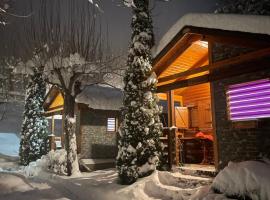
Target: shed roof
<point>101,97</point>
<point>230,22</point>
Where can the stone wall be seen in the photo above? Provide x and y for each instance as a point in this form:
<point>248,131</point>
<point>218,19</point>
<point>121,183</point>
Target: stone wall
<point>96,142</point>
<point>238,141</point>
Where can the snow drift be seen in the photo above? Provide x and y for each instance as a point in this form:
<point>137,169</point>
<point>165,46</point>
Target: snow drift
<point>249,178</point>
<point>54,161</point>
<point>165,185</point>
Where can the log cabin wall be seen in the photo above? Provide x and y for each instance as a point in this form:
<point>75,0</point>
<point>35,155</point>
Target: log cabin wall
<point>197,98</point>
<point>95,141</point>
<point>237,141</point>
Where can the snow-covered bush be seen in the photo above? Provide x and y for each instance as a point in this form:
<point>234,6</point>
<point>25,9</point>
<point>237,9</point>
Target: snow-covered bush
<point>245,179</point>
<point>55,161</point>
<point>34,168</point>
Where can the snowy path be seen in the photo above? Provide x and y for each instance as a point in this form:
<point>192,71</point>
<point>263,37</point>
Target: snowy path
<point>100,185</point>
<point>16,187</point>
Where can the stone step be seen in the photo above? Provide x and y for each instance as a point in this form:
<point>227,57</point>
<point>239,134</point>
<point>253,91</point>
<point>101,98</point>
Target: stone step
<point>197,170</point>
<point>97,164</point>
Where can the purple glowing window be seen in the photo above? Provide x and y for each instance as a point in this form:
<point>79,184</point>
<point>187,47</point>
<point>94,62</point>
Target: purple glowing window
<point>249,100</point>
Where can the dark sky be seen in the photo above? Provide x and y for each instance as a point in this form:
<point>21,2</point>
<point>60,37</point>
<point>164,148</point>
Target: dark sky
<point>117,18</point>
<point>165,14</point>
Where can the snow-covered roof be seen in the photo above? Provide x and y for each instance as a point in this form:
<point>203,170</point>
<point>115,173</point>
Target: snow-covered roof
<point>101,97</point>
<point>230,22</point>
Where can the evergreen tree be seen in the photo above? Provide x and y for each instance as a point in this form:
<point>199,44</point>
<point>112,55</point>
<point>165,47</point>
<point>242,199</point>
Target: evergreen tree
<point>34,132</point>
<point>254,7</point>
<point>139,146</point>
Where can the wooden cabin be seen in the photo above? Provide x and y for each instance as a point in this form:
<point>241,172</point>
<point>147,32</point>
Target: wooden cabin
<point>97,113</point>
<point>214,73</point>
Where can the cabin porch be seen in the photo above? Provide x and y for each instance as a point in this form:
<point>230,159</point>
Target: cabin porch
<point>187,121</point>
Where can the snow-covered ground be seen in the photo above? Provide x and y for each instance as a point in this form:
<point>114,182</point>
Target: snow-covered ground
<point>9,144</point>
<point>238,179</point>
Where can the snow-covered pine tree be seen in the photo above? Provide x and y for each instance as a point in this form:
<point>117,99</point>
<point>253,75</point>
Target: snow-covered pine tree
<point>139,146</point>
<point>254,7</point>
<point>34,131</point>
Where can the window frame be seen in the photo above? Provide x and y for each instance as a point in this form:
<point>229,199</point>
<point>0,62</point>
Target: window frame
<point>228,105</point>
<point>115,125</point>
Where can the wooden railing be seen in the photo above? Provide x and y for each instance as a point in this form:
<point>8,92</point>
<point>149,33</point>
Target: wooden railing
<point>170,141</point>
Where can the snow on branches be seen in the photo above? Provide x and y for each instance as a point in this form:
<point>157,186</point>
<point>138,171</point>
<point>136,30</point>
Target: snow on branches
<point>139,146</point>
<point>34,141</point>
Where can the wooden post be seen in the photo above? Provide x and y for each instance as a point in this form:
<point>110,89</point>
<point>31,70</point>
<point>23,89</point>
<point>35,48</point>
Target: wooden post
<point>52,142</point>
<point>171,111</point>
<point>177,147</point>
<point>170,146</point>
<point>171,123</point>
<point>52,125</point>
<point>216,156</point>
<point>63,128</point>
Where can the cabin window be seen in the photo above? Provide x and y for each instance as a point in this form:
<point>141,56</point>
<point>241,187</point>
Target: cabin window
<point>111,124</point>
<point>250,100</point>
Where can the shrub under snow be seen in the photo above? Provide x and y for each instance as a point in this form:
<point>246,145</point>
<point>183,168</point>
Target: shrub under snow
<point>55,161</point>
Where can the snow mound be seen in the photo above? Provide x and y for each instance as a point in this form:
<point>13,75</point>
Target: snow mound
<point>54,161</point>
<point>248,178</point>
<point>165,185</point>
<point>35,168</point>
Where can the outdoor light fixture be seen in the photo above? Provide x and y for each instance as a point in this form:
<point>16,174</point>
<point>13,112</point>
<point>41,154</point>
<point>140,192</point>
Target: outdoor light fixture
<point>249,100</point>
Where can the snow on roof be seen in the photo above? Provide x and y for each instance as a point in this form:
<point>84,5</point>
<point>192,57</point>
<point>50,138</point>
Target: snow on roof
<point>230,22</point>
<point>101,97</point>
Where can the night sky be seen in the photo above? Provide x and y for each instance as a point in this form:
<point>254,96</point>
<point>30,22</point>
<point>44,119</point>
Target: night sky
<point>116,18</point>
<point>165,14</point>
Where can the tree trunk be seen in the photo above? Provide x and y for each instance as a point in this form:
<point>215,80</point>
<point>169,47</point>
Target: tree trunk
<point>70,136</point>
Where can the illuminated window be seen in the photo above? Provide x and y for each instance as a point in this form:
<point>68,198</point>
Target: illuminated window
<point>250,100</point>
<point>111,124</point>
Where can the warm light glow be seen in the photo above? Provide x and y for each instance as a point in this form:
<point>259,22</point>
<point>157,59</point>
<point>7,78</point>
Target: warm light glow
<point>202,43</point>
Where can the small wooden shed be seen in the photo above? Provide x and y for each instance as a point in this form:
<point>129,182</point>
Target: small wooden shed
<point>97,113</point>
<point>216,67</point>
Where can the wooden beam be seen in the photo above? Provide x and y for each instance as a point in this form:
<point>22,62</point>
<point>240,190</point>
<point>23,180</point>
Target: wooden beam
<point>184,83</point>
<point>251,39</point>
<point>184,74</point>
<point>235,41</point>
<point>171,111</point>
<point>248,57</point>
<point>180,47</point>
<point>229,71</point>
<point>220,64</point>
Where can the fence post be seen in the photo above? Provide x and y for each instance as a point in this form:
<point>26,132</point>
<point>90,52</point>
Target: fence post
<point>52,142</point>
